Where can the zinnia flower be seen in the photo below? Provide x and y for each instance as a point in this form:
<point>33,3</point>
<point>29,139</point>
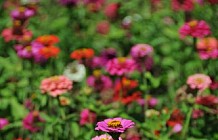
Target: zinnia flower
<point>32,120</point>
<point>176,118</point>
<point>208,100</point>
<point>3,122</point>
<point>114,125</point>
<point>94,5</point>
<point>111,10</point>
<point>47,40</point>
<point>84,53</point>
<point>75,71</point>
<point>185,5</point>
<point>199,81</point>
<point>197,113</point>
<point>99,82</point>
<point>140,51</point>
<point>208,48</point>
<point>69,3</point>
<point>120,66</point>
<point>22,13</point>
<point>108,54</point>
<point>195,28</point>
<point>103,27</point>
<point>24,51</point>
<point>86,117</point>
<point>56,85</point>
<point>49,52</point>
<point>104,137</point>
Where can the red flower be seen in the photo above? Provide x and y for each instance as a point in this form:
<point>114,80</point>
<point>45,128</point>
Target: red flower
<point>103,27</point>
<point>111,10</point>
<point>175,118</point>
<point>48,40</point>
<point>49,52</point>
<point>208,100</point>
<point>213,1</point>
<point>82,54</point>
<point>186,5</point>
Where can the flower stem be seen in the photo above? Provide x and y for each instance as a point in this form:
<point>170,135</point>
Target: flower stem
<point>186,126</point>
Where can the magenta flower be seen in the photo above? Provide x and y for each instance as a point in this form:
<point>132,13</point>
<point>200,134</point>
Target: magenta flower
<point>120,66</point>
<point>195,28</point>
<point>207,100</point>
<point>56,85</point>
<point>197,113</point>
<point>24,51</point>
<point>86,117</point>
<point>208,48</point>
<point>104,137</point>
<point>140,51</point>
<point>99,82</point>
<point>32,120</point>
<point>108,54</point>
<point>22,13</point>
<point>3,122</point>
<point>69,2</point>
<point>199,81</point>
<point>37,56</point>
<point>185,5</point>
<point>177,128</point>
<point>114,125</point>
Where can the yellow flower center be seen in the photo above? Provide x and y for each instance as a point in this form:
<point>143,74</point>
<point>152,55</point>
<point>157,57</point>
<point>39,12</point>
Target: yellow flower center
<point>28,48</point>
<point>126,82</point>
<point>121,59</point>
<point>55,78</point>
<point>97,73</point>
<point>17,23</point>
<point>199,80</point>
<point>193,23</point>
<point>114,124</point>
<point>21,9</point>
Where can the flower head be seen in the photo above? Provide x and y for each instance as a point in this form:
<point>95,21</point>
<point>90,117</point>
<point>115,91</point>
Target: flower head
<point>208,100</point>
<point>75,71</point>
<point>56,85</point>
<point>185,5</point>
<point>199,81</point>
<point>3,122</point>
<point>86,117</point>
<point>22,13</point>
<point>208,48</point>
<point>47,40</point>
<point>140,51</point>
<point>114,125</point>
<point>195,28</point>
<point>197,113</point>
<point>84,53</point>
<point>32,120</point>
<point>49,52</point>
<point>176,118</point>
<point>120,66</point>
<point>104,137</point>
<point>108,54</point>
<point>111,10</point>
<point>69,2</point>
<point>103,27</point>
<point>24,51</point>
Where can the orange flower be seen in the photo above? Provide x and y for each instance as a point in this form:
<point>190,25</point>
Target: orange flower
<point>48,40</point>
<point>50,51</point>
<point>82,54</point>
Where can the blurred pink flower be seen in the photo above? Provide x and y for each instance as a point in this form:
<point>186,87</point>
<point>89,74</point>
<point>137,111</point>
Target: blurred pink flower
<point>108,54</point>
<point>177,128</point>
<point>24,51</point>
<point>195,28</point>
<point>120,66</point>
<point>22,13</point>
<point>104,137</point>
<point>86,117</point>
<point>197,114</point>
<point>199,81</point>
<point>99,82</point>
<point>103,27</point>
<point>56,85</point>
<point>111,10</point>
<point>94,5</point>
<point>69,2</point>
<point>140,51</point>
<point>32,121</point>
<point>114,125</point>
<point>3,122</point>
<point>10,34</point>
<point>208,48</point>
<point>185,5</point>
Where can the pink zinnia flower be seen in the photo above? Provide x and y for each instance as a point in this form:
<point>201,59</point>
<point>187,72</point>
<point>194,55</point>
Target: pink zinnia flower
<point>99,82</point>
<point>197,114</point>
<point>56,85</point>
<point>32,120</point>
<point>86,117</point>
<point>111,10</point>
<point>199,81</point>
<point>22,13</point>
<point>177,128</point>
<point>185,5</point>
<point>208,100</point>
<point>208,48</point>
<point>103,27</point>
<point>195,28</point>
<point>104,137</point>
<point>120,66</point>
<point>10,34</point>
<point>3,122</point>
<point>140,51</point>
<point>24,51</point>
<point>114,125</point>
